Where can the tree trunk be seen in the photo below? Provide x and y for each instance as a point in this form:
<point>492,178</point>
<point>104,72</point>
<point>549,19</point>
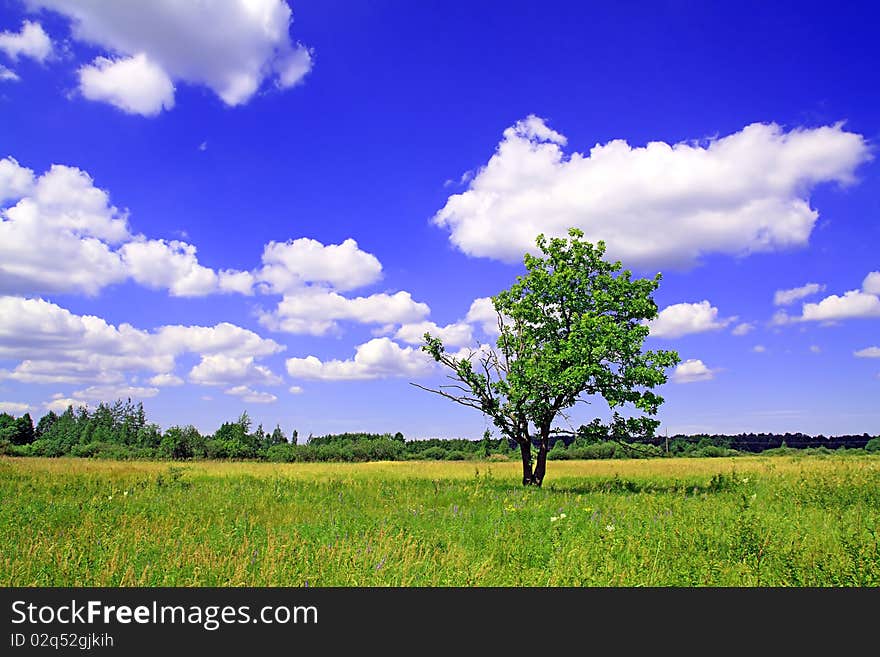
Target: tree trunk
<point>540,465</point>
<point>525,448</point>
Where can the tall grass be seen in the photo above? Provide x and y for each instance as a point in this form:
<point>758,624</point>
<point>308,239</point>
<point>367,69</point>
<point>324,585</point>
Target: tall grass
<point>749,521</point>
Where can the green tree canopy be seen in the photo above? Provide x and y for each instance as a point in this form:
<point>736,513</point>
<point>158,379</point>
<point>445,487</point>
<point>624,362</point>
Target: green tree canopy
<point>571,328</point>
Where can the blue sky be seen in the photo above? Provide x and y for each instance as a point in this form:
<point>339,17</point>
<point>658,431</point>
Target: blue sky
<point>215,210</point>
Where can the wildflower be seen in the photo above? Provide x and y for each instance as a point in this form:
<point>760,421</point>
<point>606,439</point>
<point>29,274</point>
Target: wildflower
<point>554,518</point>
<point>745,480</point>
<point>609,528</point>
<point>125,494</point>
<point>561,515</point>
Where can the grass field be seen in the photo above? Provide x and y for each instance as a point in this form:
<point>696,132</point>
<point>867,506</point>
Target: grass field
<point>745,521</point>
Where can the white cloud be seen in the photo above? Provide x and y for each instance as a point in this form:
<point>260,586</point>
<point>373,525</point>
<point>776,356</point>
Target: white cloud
<point>85,243</point>
<point>852,304</point>
<point>8,76</point>
<point>107,393</point>
<point>456,334</point>
<point>311,275</point>
<point>867,352</point>
<point>871,284</point>
<point>16,181</point>
<point>53,345</point>
<point>223,338</point>
<point>135,84</point>
<point>222,369</point>
<point>60,404</point>
<point>295,390</point>
<point>73,223</point>
<point>378,358</point>
<point>14,408</point>
<point>293,67</point>
<point>289,266</point>
<point>68,199</point>
<point>174,265</point>
<point>231,280</point>
<point>759,349</point>
<point>31,41</point>
<point>685,318</point>
<point>780,318</point>
<point>692,370</point>
<point>252,396</point>
<point>230,46</point>
<point>743,328</point>
<point>815,349</point>
<point>482,313</point>
<point>317,311</point>
<point>787,297</point>
<point>166,380</point>
<point>89,370</point>
<point>469,353</point>
<point>385,329</point>
<point>655,205</point>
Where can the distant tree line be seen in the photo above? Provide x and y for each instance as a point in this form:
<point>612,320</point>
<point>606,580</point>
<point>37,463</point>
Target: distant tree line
<point>120,430</point>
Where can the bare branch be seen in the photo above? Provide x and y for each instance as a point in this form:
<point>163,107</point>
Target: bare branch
<point>458,400</point>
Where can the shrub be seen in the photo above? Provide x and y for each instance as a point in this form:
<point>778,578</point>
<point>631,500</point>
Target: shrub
<point>436,453</point>
<point>282,453</point>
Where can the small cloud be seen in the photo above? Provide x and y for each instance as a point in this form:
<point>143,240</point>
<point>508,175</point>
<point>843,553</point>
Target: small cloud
<point>743,328</point>
<point>252,396</point>
<point>685,318</point>
<point>780,318</point>
<point>31,41</point>
<point>787,297</point>
<point>206,398</point>
<point>385,329</point>
<point>759,349</point>
<point>8,76</point>
<point>867,352</point>
<point>166,380</point>
<point>871,284</point>
<point>465,177</point>
<point>692,370</point>
<point>816,349</point>
<point>203,146</point>
<point>14,408</point>
<point>295,390</point>
<point>60,404</point>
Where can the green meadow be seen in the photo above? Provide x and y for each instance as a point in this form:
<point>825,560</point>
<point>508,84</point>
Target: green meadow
<point>743,521</point>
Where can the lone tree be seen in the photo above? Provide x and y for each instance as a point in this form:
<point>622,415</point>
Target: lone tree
<point>571,328</point>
